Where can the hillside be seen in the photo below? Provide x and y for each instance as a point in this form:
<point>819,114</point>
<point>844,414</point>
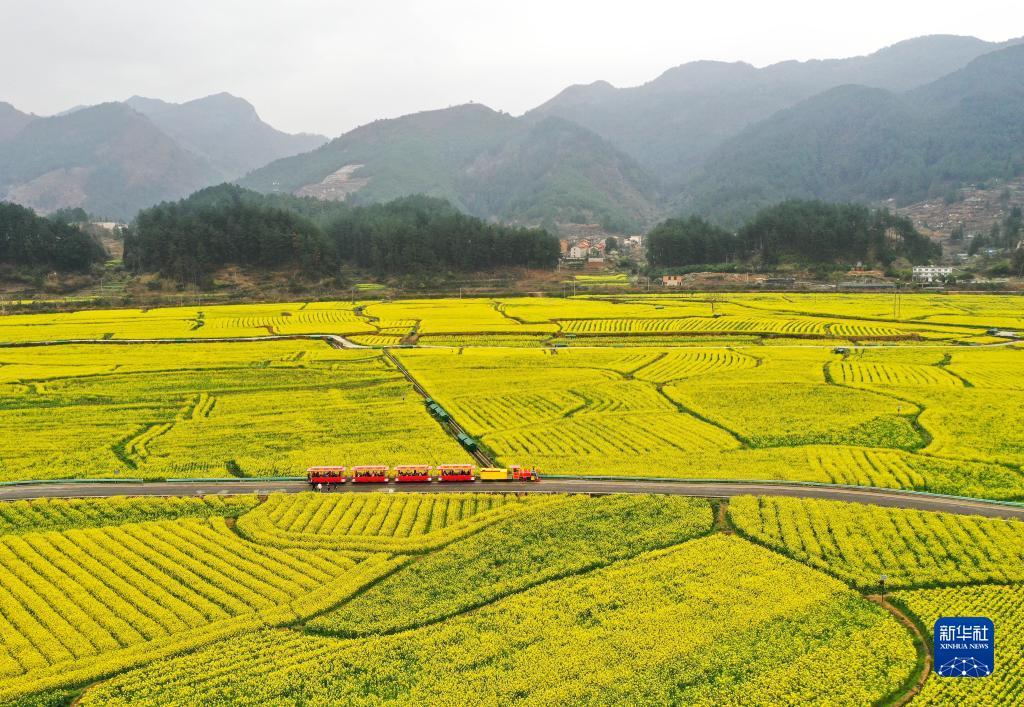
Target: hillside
<point>12,121</point>
<point>108,159</point>
<point>485,162</point>
<point>908,122</point>
<point>116,158</point>
<point>226,130</point>
<point>863,144</point>
<point>674,123</point>
<point>708,137</point>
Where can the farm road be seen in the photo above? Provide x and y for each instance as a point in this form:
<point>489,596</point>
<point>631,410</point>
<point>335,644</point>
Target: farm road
<point>712,489</point>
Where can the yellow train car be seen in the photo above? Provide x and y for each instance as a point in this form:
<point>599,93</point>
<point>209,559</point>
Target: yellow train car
<point>494,474</point>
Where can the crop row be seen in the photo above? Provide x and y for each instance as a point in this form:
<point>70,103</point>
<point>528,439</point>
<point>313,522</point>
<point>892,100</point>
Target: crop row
<point>712,621</point>
<point>72,595</point>
<point>816,314</point>
<point>676,365</point>
<point>858,466</point>
<point>887,374</point>
<point>65,514</point>
<point>571,535</point>
<point>695,324</point>
<point>110,663</point>
<point>376,339</point>
<point>649,435</point>
<point>861,543</point>
<point>391,515</point>
<point>512,410</point>
<point>404,523</point>
<point>275,410</point>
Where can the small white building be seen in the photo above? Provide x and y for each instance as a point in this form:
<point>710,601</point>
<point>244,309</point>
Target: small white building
<point>577,253</point>
<point>672,280</point>
<point>931,273</point>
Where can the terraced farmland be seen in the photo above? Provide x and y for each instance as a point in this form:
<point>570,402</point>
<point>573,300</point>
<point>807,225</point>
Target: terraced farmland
<point>157,601</point>
<point>767,412</point>
<point>466,598</point>
<point>653,319</point>
<point>208,410</point>
<point>861,543</point>
<point>395,522</point>
<point>604,580</point>
<point>890,416</point>
<point>895,375</point>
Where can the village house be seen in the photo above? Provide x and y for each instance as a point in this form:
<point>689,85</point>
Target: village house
<point>931,273</point>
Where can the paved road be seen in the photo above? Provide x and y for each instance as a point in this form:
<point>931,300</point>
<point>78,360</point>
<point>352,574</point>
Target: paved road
<point>335,340</point>
<point>891,498</point>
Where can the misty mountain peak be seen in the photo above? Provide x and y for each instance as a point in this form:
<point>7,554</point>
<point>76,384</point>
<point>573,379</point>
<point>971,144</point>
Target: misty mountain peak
<point>702,75</point>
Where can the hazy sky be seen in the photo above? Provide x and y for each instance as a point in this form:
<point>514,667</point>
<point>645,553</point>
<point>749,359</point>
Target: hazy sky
<point>328,66</point>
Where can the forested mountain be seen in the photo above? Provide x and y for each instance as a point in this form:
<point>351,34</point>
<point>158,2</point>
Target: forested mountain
<point>115,158</point>
<point>27,240</point>
<point>420,153</point>
<point>228,225</point>
<point>485,162</point>
<point>108,159</point>
<point>673,124</point>
<point>705,137</point>
<point>912,120</point>
<point>864,144</point>
<point>226,130</point>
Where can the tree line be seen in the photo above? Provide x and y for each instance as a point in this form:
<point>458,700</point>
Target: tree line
<point>794,231</point>
<point>28,240</point>
<point>228,225</point>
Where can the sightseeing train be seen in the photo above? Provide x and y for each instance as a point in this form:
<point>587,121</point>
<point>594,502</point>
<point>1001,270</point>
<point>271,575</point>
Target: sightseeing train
<point>327,476</point>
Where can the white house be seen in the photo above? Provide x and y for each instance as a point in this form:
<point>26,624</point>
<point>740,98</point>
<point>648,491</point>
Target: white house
<point>577,253</point>
<point>931,273</point>
<point>672,280</point>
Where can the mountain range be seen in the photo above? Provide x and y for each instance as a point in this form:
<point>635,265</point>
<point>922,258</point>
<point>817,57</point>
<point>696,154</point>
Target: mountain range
<point>487,163</point>
<point>114,158</point>
<point>720,139</point>
<point>915,119</point>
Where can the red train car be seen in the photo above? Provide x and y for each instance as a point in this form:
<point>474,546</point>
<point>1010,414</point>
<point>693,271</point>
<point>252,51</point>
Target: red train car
<point>369,474</point>
<point>521,474</point>
<point>456,472</point>
<point>412,474</point>
<point>325,475</point>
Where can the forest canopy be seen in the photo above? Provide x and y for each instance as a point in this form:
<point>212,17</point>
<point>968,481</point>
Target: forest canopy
<point>30,240</point>
<point>228,225</point>
<point>795,231</point>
